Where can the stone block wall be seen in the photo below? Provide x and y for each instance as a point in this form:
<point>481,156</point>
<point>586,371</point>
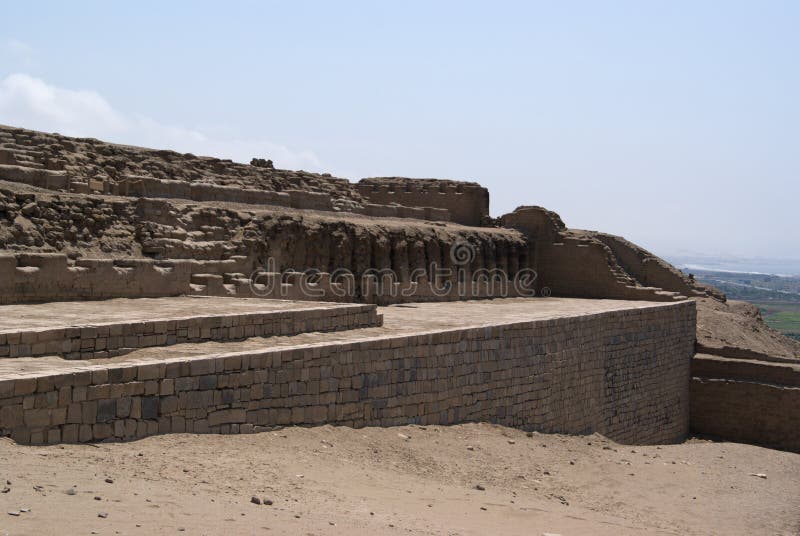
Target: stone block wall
<point>747,411</point>
<point>112,339</point>
<point>650,270</point>
<point>395,211</point>
<point>747,400</point>
<point>466,202</point>
<point>42,277</point>
<point>150,187</point>
<point>88,165</point>
<point>160,188</point>
<point>576,263</point>
<point>621,373</point>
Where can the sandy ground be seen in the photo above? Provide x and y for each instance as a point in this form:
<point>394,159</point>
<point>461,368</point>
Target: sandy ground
<point>408,480</point>
<point>738,324</point>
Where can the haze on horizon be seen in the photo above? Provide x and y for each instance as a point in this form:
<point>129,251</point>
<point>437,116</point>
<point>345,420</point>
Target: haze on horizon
<point>676,125</point>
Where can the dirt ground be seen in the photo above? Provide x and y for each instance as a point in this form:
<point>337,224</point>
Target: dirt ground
<point>456,480</point>
<point>738,324</point>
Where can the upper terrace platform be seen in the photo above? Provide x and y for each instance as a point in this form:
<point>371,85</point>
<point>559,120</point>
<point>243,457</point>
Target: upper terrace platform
<point>418,319</point>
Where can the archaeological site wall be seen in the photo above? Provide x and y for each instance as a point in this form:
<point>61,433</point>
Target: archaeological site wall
<point>466,202</point>
<point>104,338</point>
<point>623,373</point>
<point>119,201</point>
<point>88,166</point>
<point>746,400</point>
<point>579,263</point>
<point>81,219</point>
<point>68,246</point>
<point>652,271</point>
<point>36,278</point>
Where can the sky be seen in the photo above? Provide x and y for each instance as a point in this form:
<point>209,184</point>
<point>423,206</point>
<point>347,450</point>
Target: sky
<point>675,124</point>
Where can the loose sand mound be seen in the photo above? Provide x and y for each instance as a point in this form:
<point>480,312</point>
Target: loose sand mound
<point>736,329</point>
<point>409,480</point>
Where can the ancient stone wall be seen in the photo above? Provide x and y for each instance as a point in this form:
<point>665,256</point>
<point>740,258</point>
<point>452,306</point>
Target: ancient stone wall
<point>569,264</point>
<point>149,187</point>
<point>747,400</point>
<point>579,264</point>
<point>92,165</point>
<point>110,339</point>
<point>652,271</point>
<point>750,412</point>
<point>43,277</point>
<point>122,247</point>
<point>621,373</point>
<point>31,278</point>
<point>466,202</point>
<point>86,166</point>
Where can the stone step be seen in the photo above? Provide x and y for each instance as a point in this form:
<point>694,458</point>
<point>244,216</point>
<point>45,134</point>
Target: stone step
<point>101,329</point>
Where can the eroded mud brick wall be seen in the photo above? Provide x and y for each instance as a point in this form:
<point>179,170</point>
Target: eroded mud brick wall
<point>467,202</point>
<point>588,264</point>
<point>623,373</point>
<point>69,246</point>
<point>89,166</point>
<point>327,245</point>
<point>84,165</point>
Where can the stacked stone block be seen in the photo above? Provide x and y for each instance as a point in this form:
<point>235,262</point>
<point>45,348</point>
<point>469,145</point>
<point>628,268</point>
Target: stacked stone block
<point>746,400</point>
<point>113,339</point>
<point>621,373</point>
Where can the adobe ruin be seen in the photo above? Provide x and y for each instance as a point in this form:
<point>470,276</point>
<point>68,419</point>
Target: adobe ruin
<point>206,246</point>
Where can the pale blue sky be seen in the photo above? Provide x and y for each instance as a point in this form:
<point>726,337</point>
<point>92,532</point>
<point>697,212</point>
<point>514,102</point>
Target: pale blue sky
<point>675,124</point>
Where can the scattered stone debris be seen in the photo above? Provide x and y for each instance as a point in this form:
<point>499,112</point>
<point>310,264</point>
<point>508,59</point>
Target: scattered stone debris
<point>262,163</point>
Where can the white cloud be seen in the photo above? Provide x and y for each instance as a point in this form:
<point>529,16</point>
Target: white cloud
<point>30,102</point>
